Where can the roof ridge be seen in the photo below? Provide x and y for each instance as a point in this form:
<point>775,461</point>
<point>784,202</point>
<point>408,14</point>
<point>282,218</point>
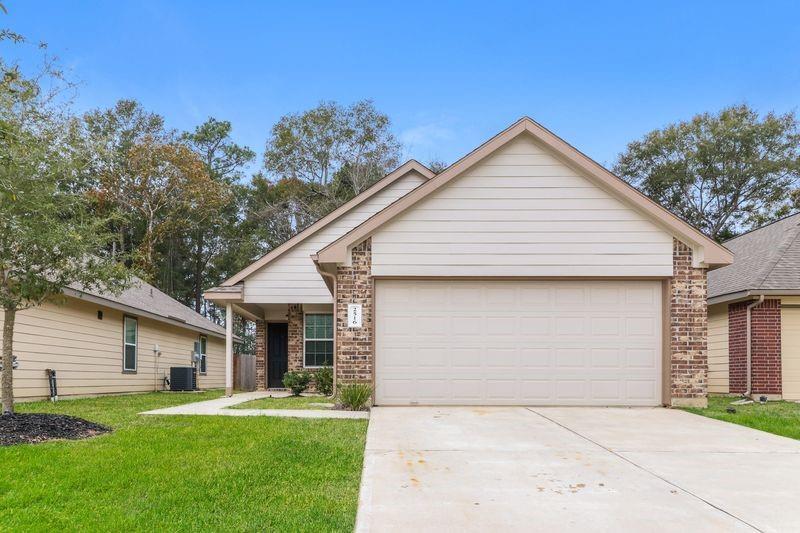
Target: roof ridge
<point>768,224</point>
<point>792,233</point>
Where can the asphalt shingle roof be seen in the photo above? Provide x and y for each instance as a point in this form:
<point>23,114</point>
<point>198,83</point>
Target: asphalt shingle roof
<point>145,297</point>
<point>767,258</point>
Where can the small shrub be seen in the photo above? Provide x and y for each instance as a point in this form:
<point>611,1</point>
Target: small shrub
<point>324,380</point>
<point>297,382</point>
<point>355,396</point>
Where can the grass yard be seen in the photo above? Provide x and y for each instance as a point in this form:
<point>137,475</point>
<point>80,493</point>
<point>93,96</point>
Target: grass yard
<point>183,473</point>
<point>780,418</point>
<point>289,402</point>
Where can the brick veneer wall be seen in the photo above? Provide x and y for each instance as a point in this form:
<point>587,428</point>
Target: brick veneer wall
<point>765,330</point>
<point>261,355</point>
<point>354,347</point>
<point>737,347</point>
<point>688,329</point>
<point>295,332</point>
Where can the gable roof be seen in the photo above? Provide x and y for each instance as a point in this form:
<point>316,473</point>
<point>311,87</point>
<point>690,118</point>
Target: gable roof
<point>713,253</point>
<point>409,166</point>
<point>767,259</point>
<point>143,299</point>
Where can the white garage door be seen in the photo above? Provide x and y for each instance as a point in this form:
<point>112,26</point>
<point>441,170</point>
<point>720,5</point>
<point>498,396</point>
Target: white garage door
<point>518,342</point>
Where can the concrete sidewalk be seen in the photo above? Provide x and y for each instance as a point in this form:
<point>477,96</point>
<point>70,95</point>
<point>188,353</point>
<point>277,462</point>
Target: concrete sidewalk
<point>573,469</point>
<point>220,407</point>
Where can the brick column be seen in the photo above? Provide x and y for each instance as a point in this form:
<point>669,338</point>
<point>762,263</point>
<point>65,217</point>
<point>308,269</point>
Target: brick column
<point>261,355</point>
<point>295,327</point>
<point>354,347</point>
<point>688,328</point>
<point>765,339</point>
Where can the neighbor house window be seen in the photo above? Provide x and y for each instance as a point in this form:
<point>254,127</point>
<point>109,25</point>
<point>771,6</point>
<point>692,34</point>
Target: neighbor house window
<point>318,340</point>
<point>130,341</point>
<point>203,343</point>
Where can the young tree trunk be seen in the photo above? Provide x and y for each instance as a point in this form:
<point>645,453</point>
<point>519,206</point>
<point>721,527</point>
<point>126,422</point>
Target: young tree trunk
<point>9,317</point>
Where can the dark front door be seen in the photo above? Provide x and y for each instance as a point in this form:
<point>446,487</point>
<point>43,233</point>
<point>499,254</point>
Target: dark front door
<point>277,354</point>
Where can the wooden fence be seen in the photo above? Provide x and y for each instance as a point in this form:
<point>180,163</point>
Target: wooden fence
<point>244,372</point>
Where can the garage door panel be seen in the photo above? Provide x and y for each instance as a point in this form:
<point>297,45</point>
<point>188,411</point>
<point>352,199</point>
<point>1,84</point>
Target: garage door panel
<point>510,343</point>
<point>535,358</point>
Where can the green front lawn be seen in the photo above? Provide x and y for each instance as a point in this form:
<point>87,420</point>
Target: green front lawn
<point>184,472</point>
<point>780,418</point>
<point>288,402</point>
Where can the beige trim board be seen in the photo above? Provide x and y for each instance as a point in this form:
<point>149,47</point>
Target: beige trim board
<point>713,253</point>
<point>401,171</point>
<point>222,296</point>
<point>750,294</point>
<point>523,278</point>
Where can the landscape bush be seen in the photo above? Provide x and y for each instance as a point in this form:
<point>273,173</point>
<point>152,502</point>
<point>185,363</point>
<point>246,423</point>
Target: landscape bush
<point>355,396</point>
<point>297,382</point>
<point>324,380</point>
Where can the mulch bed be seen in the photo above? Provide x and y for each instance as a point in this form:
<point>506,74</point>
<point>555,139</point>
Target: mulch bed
<point>32,428</point>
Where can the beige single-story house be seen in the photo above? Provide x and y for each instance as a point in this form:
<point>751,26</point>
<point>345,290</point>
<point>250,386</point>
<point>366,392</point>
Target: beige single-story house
<point>754,315</point>
<point>524,274</point>
<point>101,343</point>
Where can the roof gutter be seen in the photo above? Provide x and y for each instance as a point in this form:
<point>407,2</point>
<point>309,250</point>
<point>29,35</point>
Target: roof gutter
<point>750,345</point>
<point>749,294</point>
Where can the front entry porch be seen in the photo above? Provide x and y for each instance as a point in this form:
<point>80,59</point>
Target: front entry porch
<point>288,336</point>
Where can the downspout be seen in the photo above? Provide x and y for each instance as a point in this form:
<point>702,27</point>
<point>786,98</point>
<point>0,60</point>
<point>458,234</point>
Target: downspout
<point>750,347</point>
<point>332,288</point>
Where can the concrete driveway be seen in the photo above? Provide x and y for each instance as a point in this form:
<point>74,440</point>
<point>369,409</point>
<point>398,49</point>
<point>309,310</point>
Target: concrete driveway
<point>574,469</point>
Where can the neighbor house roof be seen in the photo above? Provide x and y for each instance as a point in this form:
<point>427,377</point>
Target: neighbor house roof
<point>409,166</point>
<point>143,299</point>
<point>707,250</point>
<point>766,259</point>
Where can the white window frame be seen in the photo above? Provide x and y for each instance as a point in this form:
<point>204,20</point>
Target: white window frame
<point>125,343</point>
<point>203,355</point>
<point>333,333</point>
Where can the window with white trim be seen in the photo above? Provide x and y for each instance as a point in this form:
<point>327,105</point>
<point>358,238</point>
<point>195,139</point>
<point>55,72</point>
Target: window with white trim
<point>203,345</point>
<point>129,343</point>
<point>318,344</point>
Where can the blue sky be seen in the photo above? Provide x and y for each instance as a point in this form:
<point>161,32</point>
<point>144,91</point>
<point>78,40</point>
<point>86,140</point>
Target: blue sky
<point>449,74</point>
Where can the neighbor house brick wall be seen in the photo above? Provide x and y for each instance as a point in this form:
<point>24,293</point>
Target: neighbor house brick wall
<point>354,346</point>
<point>737,347</point>
<point>766,338</point>
<point>765,342</point>
<point>688,329</point>
<point>295,332</point>
<point>261,355</point>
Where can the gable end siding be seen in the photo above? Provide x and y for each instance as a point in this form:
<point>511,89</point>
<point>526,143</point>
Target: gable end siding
<point>521,212</point>
<point>293,278</point>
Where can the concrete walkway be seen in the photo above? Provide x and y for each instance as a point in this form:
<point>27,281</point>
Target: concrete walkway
<point>219,407</point>
<point>573,469</point>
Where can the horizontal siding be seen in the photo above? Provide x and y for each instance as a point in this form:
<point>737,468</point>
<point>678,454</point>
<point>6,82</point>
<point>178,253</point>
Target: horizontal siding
<point>790,349</point>
<point>293,278</point>
<point>87,352</point>
<point>718,375</point>
<point>521,212</point>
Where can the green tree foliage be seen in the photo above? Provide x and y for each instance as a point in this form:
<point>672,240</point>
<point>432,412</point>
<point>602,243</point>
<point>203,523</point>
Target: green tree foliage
<point>112,134</point>
<point>336,152</point>
<point>724,172</point>
<point>213,230</point>
<point>50,234</point>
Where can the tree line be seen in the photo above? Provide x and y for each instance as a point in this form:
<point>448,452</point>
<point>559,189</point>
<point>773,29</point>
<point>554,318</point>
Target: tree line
<point>187,215</point>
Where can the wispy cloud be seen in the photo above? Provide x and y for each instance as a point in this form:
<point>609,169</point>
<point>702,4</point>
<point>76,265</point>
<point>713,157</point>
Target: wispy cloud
<point>426,136</point>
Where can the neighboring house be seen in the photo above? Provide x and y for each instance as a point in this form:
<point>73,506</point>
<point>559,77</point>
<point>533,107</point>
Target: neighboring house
<point>100,343</point>
<point>525,273</point>
<point>755,303</point>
